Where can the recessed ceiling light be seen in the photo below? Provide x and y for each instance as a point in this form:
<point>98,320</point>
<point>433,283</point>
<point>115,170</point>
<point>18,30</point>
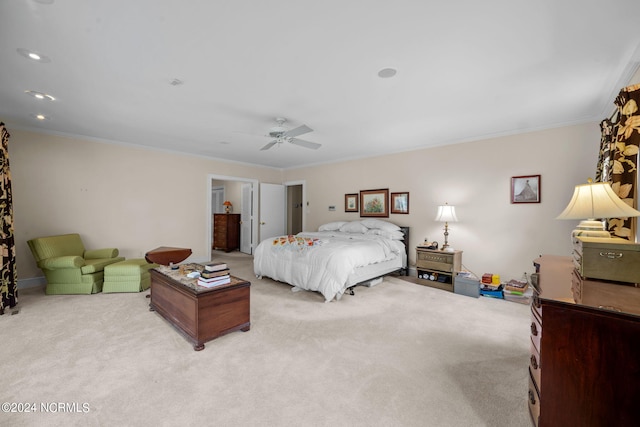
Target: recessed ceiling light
<point>385,73</point>
<point>44,1</point>
<point>224,142</point>
<point>39,95</point>
<point>39,116</point>
<point>33,55</point>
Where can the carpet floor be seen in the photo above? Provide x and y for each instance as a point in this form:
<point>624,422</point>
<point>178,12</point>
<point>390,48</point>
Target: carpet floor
<point>396,354</point>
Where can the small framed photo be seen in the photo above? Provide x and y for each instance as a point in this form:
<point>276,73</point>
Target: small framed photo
<point>374,203</point>
<point>525,189</point>
<point>400,203</point>
<point>351,202</point>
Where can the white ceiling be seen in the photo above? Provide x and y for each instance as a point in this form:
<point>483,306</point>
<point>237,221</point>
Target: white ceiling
<point>466,70</point>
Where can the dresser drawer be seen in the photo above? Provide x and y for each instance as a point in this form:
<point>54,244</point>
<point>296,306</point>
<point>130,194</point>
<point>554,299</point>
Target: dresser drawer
<point>576,287</point>
<point>608,259</point>
<point>536,330</point>
<point>435,261</point>
<point>534,367</point>
<point>536,305</point>
<point>610,296</point>
<point>533,401</point>
<point>427,265</point>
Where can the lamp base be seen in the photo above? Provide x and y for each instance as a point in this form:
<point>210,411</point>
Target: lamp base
<point>590,228</point>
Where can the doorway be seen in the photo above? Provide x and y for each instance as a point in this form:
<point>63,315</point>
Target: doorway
<point>249,206</point>
<point>243,194</point>
<point>294,209</point>
<point>296,206</point>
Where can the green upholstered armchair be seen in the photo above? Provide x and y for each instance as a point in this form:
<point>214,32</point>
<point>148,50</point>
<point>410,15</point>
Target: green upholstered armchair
<point>68,267</point>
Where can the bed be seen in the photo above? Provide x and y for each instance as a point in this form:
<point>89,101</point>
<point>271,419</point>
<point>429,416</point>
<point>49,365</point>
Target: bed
<point>336,258</point>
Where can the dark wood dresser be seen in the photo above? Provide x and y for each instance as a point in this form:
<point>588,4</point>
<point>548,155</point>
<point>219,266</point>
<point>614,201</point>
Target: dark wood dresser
<point>226,232</point>
<point>585,357</point>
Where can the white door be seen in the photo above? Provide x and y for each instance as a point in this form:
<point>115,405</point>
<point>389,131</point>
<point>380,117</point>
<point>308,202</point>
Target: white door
<point>246,219</point>
<point>272,211</point>
<point>217,198</point>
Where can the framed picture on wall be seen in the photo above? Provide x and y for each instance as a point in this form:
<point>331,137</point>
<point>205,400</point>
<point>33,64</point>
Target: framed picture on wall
<point>351,202</point>
<point>525,189</point>
<point>374,203</point>
<point>400,203</point>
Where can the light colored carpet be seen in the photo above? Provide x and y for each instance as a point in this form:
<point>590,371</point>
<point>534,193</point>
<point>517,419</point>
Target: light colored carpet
<point>397,354</point>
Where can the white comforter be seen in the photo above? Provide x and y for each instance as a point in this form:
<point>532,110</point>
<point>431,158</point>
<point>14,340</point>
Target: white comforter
<point>323,264</point>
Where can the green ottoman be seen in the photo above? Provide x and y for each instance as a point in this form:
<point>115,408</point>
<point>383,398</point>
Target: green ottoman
<point>131,275</point>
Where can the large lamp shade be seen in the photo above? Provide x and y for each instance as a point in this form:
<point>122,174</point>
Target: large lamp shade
<point>593,201</point>
<point>446,214</point>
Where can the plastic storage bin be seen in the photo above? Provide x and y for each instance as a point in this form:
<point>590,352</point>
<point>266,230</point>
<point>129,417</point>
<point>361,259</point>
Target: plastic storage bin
<point>466,286</point>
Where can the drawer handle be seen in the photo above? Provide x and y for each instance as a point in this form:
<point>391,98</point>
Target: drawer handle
<point>611,255</point>
<point>534,329</point>
<point>534,362</point>
<point>532,397</point>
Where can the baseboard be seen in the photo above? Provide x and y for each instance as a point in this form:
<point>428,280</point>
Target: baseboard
<point>33,282</point>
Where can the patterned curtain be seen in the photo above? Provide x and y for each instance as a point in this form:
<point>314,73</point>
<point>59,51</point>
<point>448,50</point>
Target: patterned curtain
<point>605,160</point>
<point>9,279</point>
<point>623,173</point>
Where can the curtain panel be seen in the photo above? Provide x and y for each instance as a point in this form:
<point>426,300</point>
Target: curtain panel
<point>9,277</point>
<point>618,162</point>
<point>605,161</point>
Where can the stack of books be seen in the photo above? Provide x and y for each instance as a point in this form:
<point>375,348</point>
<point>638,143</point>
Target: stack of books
<point>516,286</point>
<point>490,286</point>
<point>214,274</point>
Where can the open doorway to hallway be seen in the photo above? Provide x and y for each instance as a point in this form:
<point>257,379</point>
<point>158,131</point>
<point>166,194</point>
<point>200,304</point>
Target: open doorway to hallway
<point>242,194</point>
<point>295,208</point>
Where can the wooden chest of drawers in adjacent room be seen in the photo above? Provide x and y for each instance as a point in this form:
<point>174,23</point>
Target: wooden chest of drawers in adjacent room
<point>226,232</point>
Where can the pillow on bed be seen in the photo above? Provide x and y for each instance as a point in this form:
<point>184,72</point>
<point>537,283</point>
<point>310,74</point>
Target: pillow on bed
<point>395,235</point>
<point>378,223</point>
<point>353,227</point>
<point>332,226</point>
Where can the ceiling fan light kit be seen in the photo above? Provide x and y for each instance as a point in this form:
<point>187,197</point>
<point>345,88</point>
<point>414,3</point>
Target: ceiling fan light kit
<point>281,134</point>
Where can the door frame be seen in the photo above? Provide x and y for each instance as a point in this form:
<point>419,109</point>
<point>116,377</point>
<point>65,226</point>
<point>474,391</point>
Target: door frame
<point>254,222</point>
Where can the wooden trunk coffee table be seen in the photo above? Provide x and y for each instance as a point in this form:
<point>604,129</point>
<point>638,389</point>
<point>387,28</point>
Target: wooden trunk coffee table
<point>200,314</point>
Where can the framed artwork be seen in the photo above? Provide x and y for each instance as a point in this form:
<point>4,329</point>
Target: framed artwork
<point>400,203</point>
<point>374,203</point>
<point>525,189</point>
<point>351,202</point>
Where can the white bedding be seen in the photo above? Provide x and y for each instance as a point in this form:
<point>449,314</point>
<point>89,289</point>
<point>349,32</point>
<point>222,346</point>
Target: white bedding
<point>322,261</point>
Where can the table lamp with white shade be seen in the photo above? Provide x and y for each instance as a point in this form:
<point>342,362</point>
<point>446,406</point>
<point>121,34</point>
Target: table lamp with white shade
<point>446,214</point>
<point>591,203</point>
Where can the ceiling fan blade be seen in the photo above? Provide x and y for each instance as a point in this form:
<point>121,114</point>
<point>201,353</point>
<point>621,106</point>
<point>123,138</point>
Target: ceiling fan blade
<point>269,145</point>
<point>306,144</point>
<point>297,131</point>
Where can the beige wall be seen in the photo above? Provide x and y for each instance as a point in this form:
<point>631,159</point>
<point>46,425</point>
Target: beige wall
<point>496,236</point>
<point>137,199</point>
<point>113,195</point>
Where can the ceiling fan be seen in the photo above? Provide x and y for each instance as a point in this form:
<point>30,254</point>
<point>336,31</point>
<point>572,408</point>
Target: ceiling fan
<point>280,135</point>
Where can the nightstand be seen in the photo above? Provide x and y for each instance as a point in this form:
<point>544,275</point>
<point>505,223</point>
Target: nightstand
<point>437,268</point>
